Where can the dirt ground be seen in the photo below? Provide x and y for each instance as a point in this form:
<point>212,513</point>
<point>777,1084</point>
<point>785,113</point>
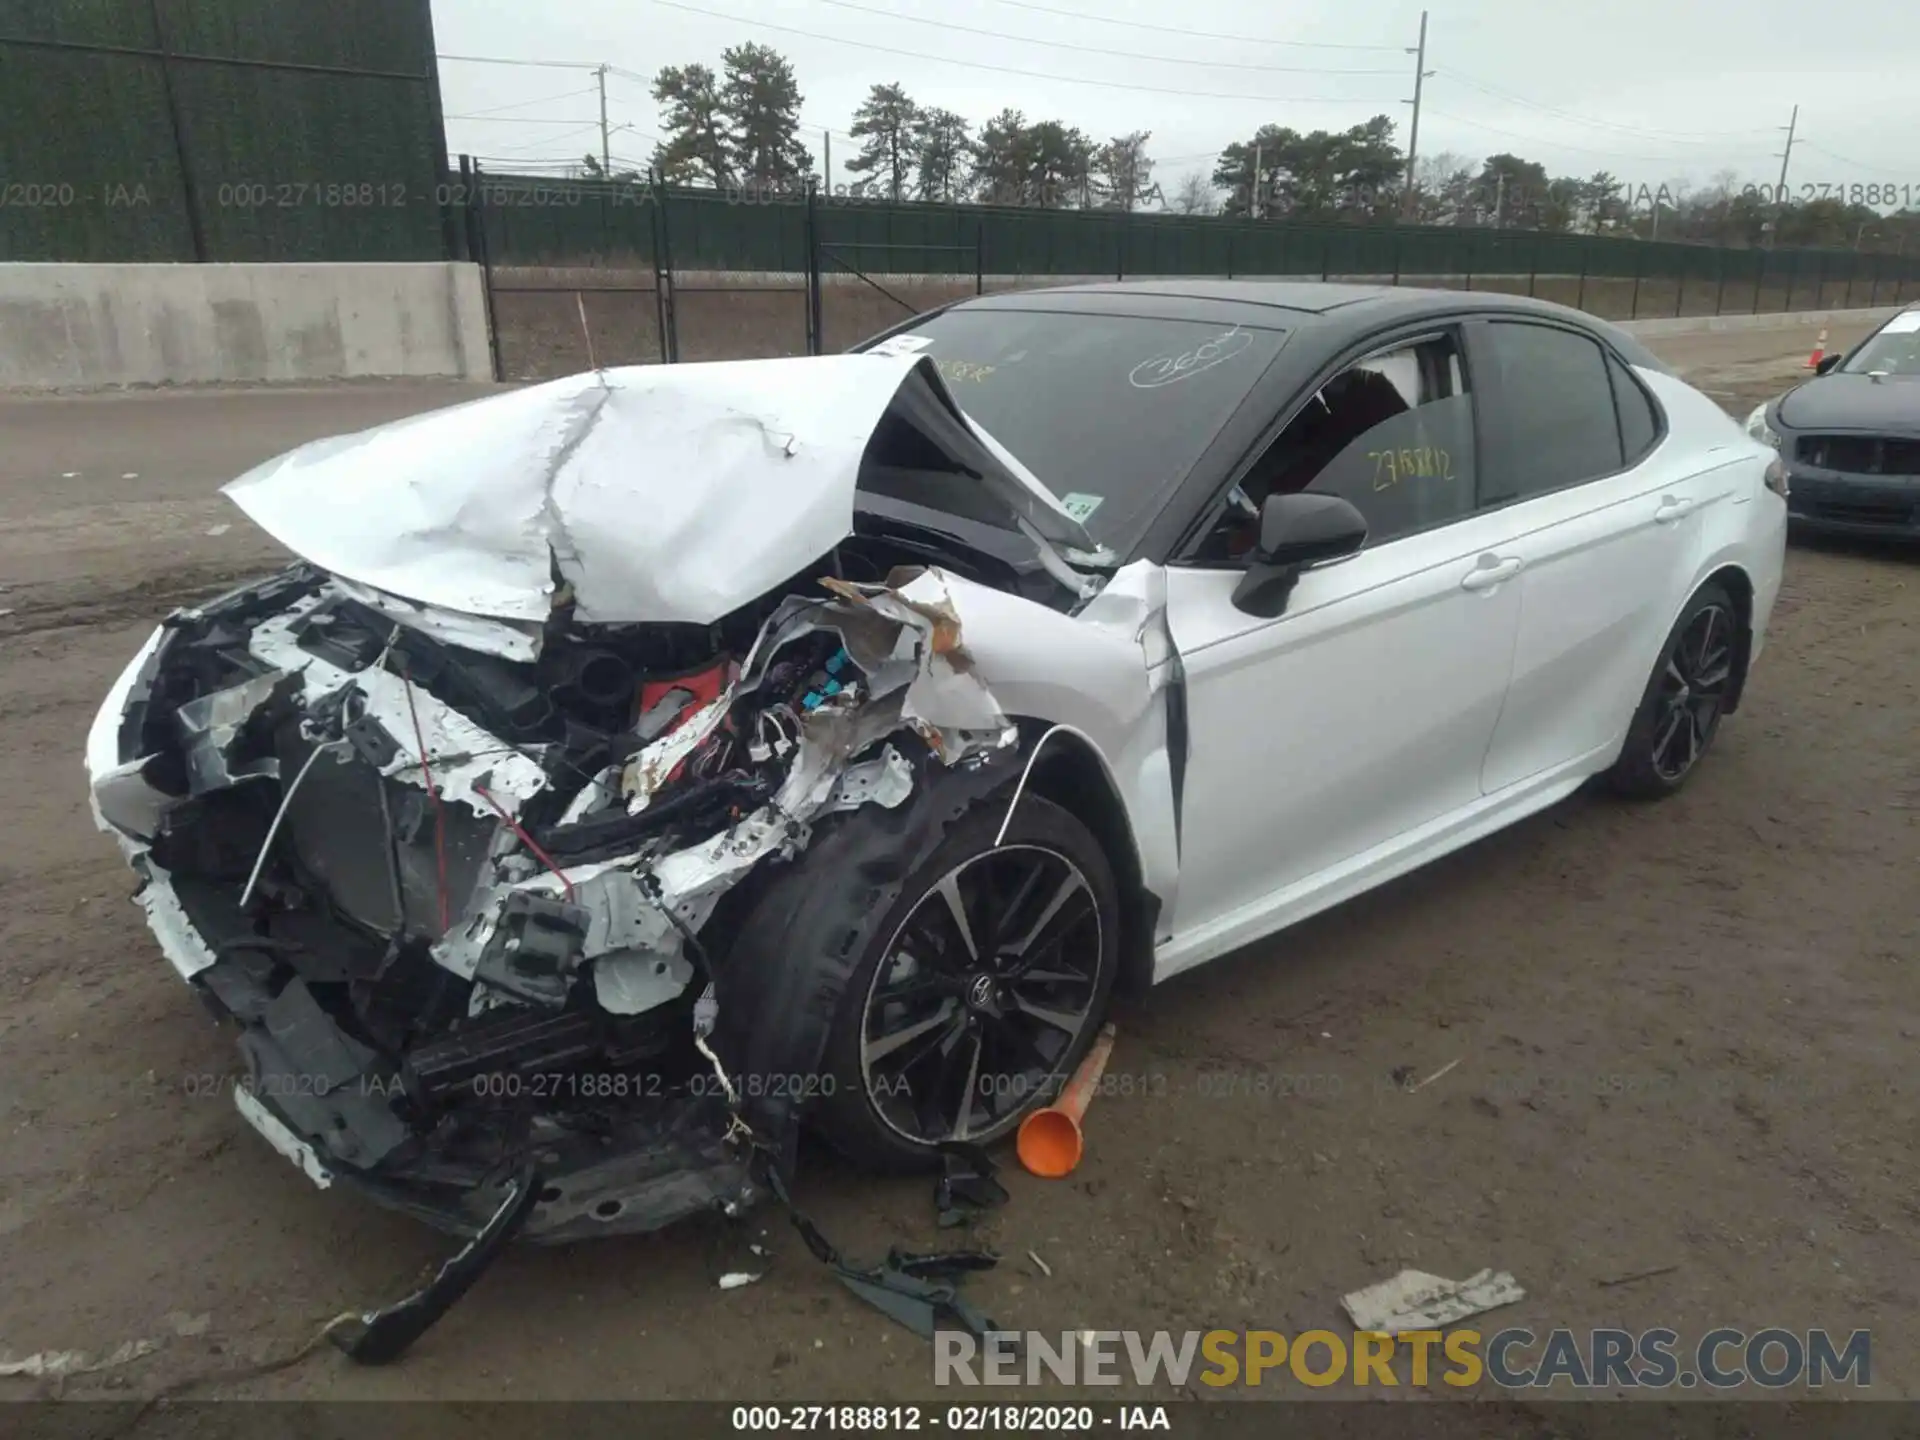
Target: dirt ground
<point>1681,1038</point>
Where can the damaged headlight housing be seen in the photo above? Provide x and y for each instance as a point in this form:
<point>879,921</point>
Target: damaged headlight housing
<point>1760,430</point>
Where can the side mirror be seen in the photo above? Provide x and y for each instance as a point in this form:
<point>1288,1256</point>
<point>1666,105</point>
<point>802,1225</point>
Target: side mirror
<point>1296,531</point>
<point>1827,362</point>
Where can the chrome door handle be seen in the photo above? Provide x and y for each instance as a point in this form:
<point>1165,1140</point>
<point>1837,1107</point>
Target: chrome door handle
<point>1485,577</point>
<point>1672,509</point>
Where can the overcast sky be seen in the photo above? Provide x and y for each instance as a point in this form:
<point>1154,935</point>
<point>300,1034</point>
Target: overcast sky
<point>1653,90</point>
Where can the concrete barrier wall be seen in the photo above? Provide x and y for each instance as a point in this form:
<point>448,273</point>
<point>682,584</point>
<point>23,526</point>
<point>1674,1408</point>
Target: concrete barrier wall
<point>1779,320</point>
<point>103,326</point>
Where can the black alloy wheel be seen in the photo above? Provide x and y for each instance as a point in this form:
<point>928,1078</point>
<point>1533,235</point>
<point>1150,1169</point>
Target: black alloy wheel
<point>1685,699</point>
<point>981,993</point>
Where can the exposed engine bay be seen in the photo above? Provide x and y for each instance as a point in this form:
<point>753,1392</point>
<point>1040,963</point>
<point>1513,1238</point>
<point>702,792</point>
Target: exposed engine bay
<point>454,818</point>
<point>460,904</point>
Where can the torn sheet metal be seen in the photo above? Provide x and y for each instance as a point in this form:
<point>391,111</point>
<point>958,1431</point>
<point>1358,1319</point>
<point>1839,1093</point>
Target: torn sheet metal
<point>945,701</point>
<point>209,726</point>
<point>124,801</point>
<point>183,946</point>
<point>516,642</point>
<point>1413,1300</point>
<point>281,1138</point>
<point>658,492</point>
<point>462,753</point>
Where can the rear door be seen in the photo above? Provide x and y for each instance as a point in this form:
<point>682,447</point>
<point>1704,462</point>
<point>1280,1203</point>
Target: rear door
<point>1604,517</point>
<point>1364,711</point>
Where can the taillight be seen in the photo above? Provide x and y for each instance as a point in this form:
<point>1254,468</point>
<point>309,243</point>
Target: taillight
<point>1777,476</point>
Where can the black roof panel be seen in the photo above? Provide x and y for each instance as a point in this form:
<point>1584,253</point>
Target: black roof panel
<point>1292,304</point>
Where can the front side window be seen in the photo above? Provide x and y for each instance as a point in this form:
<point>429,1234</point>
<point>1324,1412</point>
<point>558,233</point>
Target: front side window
<point>1392,435</point>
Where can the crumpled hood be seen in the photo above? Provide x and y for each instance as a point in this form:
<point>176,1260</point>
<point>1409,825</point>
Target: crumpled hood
<point>657,493</point>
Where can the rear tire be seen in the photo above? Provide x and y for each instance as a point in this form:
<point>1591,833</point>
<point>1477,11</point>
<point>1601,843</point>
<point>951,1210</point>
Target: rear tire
<point>1686,696</point>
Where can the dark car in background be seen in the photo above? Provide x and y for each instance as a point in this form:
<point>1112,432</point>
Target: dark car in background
<point>1850,437</point>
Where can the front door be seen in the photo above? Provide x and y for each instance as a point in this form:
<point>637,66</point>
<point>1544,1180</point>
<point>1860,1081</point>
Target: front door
<point>1364,711</point>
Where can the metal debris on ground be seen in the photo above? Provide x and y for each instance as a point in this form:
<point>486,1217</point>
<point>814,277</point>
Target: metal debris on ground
<point>1414,1300</point>
<point>1045,1269</point>
<point>44,1363</point>
<point>1444,1069</point>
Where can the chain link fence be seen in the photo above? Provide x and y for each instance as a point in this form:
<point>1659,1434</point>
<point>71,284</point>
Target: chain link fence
<point>629,272</point>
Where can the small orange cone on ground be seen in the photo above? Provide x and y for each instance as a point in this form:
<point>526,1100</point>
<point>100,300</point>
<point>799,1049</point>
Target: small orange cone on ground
<point>1819,350</point>
<point>1050,1142</point>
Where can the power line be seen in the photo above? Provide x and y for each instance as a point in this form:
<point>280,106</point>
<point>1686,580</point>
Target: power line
<point>522,105</point>
<point>487,119</point>
<point>1696,137</point>
<point>1183,30</point>
<point>552,140</point>
<point>1856,164</point>
<point>1185,94</point>
<point>1093,49</point>
<point>502,60</point>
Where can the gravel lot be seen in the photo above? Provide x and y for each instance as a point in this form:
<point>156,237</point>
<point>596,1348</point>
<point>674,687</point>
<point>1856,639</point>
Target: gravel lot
<point>1682,1033</point>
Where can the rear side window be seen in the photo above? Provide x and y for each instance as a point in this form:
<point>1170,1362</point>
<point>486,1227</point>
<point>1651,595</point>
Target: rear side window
<point>1556,421</point>
<point>1639,426</point>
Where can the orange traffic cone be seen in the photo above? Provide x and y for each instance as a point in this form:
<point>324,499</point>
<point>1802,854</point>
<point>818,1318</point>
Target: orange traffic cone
<point>1819,350</point>
<point>1049,1143</point>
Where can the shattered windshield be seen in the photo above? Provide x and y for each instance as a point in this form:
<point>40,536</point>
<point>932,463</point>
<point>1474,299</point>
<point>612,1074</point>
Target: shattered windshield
<point>1894,351</point>
<point>1108,411</point>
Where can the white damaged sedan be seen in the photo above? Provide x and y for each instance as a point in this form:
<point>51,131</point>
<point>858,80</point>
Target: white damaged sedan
<point>639,766</point>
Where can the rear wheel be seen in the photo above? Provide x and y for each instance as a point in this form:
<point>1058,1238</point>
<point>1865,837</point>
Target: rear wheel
<point>1685,698</point>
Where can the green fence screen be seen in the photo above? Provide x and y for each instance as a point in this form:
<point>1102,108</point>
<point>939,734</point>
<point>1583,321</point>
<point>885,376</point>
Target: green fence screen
<point>225,130</point>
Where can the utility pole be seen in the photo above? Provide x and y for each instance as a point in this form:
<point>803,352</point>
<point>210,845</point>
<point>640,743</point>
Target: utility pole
<point>826,164</point>
<point>1253,190</point>
<point>1420,73</point>
<point>1780,193</point>
<point>1499,199</point>
<point>600,75</point>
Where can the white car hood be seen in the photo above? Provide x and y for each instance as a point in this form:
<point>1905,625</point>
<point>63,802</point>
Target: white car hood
<point>657,493</point>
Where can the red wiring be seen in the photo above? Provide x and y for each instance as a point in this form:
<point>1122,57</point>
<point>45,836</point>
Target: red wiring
<point>531,844</point>
<point>439,810</point>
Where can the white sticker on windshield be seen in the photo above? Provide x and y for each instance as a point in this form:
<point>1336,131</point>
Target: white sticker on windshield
<point>1905,323</point>
<point>1080,506</point>
<point>902,345</point>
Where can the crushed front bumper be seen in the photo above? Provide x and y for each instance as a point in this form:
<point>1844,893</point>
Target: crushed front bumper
<point>338,1109</point>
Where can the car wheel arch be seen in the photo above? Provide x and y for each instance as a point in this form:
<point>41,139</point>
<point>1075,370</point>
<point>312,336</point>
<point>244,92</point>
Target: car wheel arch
<point>1065,766</point>
<point>1734,579</point>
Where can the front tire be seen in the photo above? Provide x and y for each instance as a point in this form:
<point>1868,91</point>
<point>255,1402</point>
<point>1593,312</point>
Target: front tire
<point>977,992</point>
<point>1685,698</point>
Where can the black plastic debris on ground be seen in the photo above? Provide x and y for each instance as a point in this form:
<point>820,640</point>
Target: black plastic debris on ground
<point>382,1336</point>
<point>919,1290</point>
<point>968,1185</point>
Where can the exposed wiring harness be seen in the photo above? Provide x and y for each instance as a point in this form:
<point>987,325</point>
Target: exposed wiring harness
<point>439,809</point>
<point>527,840</point>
